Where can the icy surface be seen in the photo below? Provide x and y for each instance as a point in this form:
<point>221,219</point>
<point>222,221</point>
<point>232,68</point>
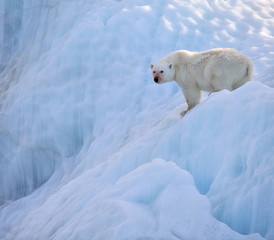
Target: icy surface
<point>91,148</point>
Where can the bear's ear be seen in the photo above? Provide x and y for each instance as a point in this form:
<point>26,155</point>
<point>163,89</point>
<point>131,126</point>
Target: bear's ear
<point>151,66</point>
<point>170,65</point>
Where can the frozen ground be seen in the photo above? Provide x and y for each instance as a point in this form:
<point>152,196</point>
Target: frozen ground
<point>92,148</point>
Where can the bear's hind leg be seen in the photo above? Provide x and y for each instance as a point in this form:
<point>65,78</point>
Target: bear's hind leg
<point>217,83</point>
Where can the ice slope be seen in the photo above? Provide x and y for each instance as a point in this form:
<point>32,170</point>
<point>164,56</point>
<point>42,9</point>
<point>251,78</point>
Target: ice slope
<point>91,148</point>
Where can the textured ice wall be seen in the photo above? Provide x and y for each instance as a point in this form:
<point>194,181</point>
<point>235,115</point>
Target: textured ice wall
<point>76,93</point>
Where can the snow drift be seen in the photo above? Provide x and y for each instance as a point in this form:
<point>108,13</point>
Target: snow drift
<point>91,148</point>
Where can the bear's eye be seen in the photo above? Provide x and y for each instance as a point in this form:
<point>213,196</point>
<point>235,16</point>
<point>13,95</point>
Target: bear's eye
<point>162,72</point>
<point>153,71</point>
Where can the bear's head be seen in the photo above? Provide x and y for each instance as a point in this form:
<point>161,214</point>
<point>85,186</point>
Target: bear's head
<point>162,72</point>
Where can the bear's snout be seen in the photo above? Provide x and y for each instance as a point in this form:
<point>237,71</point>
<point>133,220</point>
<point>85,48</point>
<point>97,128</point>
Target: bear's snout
<point>156,79</point>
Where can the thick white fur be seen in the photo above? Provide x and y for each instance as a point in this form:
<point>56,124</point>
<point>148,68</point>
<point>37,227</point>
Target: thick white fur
<point>210,71</point>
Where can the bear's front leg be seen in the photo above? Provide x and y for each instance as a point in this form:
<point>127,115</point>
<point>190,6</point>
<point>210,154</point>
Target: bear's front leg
<point>189,107</point>
<point>192,95</point>
<point>185,111</point>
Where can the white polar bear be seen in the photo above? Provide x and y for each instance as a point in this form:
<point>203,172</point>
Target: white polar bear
<point>210,71</point>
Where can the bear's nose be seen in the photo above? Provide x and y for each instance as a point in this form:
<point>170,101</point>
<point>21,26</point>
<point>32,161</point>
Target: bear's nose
<point>156,79</point>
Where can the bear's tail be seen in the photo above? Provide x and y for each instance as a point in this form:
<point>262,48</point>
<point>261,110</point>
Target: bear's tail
<point>249,71</point>
<point>248,75</point>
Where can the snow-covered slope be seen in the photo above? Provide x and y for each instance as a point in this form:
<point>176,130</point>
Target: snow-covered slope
<point>91,148</point>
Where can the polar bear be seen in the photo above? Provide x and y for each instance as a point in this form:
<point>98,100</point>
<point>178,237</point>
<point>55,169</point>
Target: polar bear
<point>212,70</point>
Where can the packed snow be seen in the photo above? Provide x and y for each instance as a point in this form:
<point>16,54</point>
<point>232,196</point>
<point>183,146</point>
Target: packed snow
<point>92,148</point>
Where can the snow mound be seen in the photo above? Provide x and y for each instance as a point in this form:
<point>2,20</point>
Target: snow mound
<point>226,143</point>
<point>157,200</point>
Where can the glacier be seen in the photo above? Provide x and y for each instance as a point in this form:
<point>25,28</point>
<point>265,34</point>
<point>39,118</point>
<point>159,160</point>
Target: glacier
<point>92,148</point>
